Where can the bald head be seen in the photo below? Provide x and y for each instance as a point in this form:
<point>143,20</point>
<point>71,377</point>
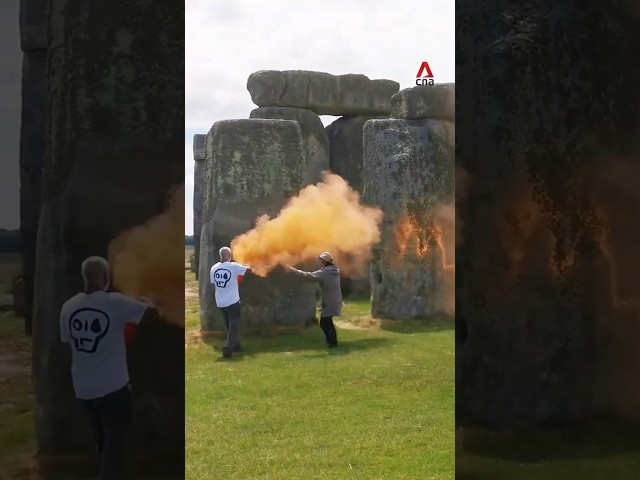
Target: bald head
<point>95,273</point>
<point>225,254</point>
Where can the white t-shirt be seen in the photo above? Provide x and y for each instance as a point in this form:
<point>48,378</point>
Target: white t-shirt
<point>224,275</point>
<point>93,325</point>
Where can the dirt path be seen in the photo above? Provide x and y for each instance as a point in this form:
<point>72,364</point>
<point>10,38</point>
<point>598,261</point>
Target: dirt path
<point>190,293</point>
<point>12,365</point>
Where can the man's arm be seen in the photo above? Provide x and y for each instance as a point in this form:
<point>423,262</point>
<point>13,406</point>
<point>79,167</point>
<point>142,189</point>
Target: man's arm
<point>132,311</point>
<point>241,269</point>
<point>310,276</point>
<point>149,315</point>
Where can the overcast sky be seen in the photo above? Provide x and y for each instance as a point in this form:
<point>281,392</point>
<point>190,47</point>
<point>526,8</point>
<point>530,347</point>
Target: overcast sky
<point>10,73</point>
<point>227,41</point>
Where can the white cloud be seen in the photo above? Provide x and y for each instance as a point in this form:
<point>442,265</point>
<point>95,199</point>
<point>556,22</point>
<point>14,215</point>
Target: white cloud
<point>227,41</point>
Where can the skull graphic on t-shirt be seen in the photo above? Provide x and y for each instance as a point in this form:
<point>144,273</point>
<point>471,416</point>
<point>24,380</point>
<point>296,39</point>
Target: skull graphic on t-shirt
<point>87,327</point>
<point>222,277</point>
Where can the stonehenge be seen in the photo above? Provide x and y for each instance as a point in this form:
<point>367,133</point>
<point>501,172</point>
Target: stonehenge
<point>199,186</point>
<point>86,157</point>
<point>395,148</point>
<point>345,144</point>
<point>33,40</point>
<point>253,165</point>
<point>408,171</point>
<point>548,258</point>
<point>436,103</point>
<point>322,93</point>
<point>315,142</point>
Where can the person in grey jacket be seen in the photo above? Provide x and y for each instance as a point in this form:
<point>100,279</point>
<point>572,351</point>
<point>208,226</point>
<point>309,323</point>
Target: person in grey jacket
<point>329,278</point>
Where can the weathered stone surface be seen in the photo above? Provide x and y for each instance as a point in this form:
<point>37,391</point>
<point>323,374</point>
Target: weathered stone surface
<point>199,186</point>
<point>437,102</point>
<point>198,146</point>
<point>17,290</point>
<point>32,138</point>
<point>252,166</point>
<point>323,93</point>
<point>314,138</point>
<point>33,24</point>
<point>345,146</point>
<point>112,153</point>
<point>409,173</point>
<point>549,260</point>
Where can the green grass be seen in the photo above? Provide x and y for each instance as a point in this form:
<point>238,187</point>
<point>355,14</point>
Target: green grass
<point>16,416</point>
<point>16,405</point>
<point>188,251</point>
<point>381,406</point>
<point>10,266</point>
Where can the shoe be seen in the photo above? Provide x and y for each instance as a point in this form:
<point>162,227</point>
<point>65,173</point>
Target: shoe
<point>226,352</point>
<point>332,345</point>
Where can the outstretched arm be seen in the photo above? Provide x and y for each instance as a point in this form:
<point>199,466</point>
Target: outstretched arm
<point>310,276</point>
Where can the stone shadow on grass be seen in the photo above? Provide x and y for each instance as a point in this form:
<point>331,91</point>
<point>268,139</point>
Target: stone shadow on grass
<point>413,326</point>
<point>311,343</point>
<point>86,468</point>
<point>535,446</point>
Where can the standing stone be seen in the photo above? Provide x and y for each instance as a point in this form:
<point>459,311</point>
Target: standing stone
<point>549,257</point>
<point>199,185</point>
<point>314,138</point>
<point>110,160</point>
<point>437,102</point>
<point>252,167</point>
<point>345,145</point>
<point>33,25</point>
<point>32,132</point>
<point>33,39</point>
<point>409,173</point>
<point>17,291</point>
<point>322,93</point>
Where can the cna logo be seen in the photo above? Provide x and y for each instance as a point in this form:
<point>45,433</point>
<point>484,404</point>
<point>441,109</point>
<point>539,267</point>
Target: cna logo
<point>424,76</point>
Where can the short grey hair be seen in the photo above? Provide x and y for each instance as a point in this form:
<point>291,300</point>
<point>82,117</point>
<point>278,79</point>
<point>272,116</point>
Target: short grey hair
<point>224,250</point>
<point>89,262</point>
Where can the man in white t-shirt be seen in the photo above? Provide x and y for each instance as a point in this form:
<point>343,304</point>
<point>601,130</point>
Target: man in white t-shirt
<point>225,276</point>
<point>93,324</point>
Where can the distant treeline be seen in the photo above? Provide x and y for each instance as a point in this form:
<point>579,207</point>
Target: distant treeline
<point>10,241</point>
<point>188,240</point>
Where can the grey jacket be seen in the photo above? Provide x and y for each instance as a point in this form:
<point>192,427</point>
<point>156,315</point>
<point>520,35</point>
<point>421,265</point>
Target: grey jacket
<point>329,278</point>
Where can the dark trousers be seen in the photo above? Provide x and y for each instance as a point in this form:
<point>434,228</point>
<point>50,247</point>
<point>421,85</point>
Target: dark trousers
<point>231,316</point>
<point>329,329</point>
<point>110,418</point>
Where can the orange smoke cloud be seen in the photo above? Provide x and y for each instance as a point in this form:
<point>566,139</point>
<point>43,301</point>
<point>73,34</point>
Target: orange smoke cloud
<point>327,216</point>
<point>147,260</point>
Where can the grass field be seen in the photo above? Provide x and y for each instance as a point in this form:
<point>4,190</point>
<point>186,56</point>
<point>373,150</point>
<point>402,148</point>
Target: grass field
<point>16,409</point>
<point>381,406</point>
